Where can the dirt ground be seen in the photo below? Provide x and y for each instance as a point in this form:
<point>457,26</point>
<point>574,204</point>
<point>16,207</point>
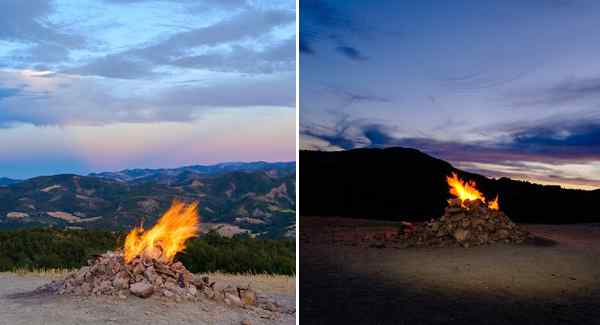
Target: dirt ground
<point>18,305</point>
<point>345,278</point>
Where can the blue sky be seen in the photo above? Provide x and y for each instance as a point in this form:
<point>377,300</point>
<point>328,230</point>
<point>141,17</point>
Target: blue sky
<point>89,85</point>
<point>502,88</point>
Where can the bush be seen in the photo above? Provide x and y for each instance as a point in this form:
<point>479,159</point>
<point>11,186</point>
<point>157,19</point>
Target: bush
<point>51,248</point>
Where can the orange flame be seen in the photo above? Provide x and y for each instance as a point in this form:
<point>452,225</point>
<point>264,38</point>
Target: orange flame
<point>494,204</point>
<point>168,235</point>
<point>468,191</point>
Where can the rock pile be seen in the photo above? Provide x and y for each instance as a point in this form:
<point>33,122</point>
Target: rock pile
<point>466,223</point>
<point>108,274</point>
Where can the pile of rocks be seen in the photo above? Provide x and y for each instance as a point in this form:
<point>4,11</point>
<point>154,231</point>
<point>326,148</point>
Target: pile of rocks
<point>108,274</point>
<point>466,223</point>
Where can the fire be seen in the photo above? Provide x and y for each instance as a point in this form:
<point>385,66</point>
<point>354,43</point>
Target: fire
<point>468,191</point>
<point>168,235</point>
<point>494,204</point>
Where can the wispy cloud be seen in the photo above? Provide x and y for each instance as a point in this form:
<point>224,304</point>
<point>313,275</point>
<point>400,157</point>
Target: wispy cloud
<point>351,53</point>
<point>548,151</point>
<point>107,67</point>
<point>325,21</point>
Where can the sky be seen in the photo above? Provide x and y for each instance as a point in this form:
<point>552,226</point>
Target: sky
<point>99,85</point>
<point>501,88</point>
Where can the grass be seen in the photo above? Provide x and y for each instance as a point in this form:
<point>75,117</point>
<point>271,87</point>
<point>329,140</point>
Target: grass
<point>281,284</point>
<point>50,272</point>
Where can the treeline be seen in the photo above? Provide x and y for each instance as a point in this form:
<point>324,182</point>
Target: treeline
<point>32,249</point>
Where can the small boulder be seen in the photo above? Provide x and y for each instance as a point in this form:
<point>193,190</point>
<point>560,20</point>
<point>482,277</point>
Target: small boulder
<point>121,281</point>
<point>142,289</point>
<point>461,235</point>
<point>232,300</point>
<point>248,296</point>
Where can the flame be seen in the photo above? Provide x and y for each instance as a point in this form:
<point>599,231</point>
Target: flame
<point>468,191</point>
<point>168,235</point>
<point>494,204</point>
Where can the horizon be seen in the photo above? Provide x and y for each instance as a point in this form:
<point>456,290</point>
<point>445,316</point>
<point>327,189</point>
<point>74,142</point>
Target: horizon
<point>78,93</point>
<point>155,168</point>
<point>497,88</point>
<point>583,188</point>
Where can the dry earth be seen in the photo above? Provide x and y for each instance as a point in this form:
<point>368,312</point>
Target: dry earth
<point>349,273</point>
<point>19,305</point>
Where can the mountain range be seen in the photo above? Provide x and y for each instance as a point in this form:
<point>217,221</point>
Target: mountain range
<point>256,198</point>
<point>406,184</point>
<point>4,181</point>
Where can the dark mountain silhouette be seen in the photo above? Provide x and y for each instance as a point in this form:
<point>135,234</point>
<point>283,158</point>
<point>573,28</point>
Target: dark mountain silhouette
<point>406,184</point>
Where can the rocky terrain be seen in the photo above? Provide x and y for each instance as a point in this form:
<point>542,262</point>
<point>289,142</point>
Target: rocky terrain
<point>21,303</point>
<point>355,272</point>
<point>468,224</point>
<point>254,198</point>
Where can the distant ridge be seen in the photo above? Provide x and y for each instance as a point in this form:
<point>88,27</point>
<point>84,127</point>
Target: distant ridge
<point>407,184</point>
<point>141,173</point>
<point>4,181</point>
<point>256,198</point>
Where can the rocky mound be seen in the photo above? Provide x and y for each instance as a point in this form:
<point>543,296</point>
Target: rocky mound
<point>466,223</point>
<point>108,274</point>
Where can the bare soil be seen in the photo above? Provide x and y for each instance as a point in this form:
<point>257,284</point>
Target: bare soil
<point>20,304</point>
<point>350,273</point>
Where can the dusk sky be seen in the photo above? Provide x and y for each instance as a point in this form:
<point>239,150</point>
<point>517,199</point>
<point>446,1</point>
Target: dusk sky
<point>501,88</point>
<point>97,85</point>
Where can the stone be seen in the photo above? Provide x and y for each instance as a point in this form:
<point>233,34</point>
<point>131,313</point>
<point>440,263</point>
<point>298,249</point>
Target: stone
<point>461,234</point>
<point>247,296</point>
<point>121,280</point>
<point>466,224</point>
<point>232,300</point>
<point>109,275</point>
<point>141,289</point>
<point>151,275</point>
<point>192,290</point>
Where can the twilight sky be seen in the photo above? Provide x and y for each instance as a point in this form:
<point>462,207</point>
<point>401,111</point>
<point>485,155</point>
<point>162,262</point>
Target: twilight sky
<point>501,88</point>
<point>94,85</point>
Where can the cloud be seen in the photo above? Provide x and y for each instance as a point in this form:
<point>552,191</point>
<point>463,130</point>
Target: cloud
<point>322,21</point>
<point>550,141</point>
<point>27,21</point>
<point>350,53</point>
<point>178,49</point>
<point>305,47</point>
<point>544,153</point>
<point>217,3</point>
<point>351,133</point>
<point>115,66</point>
<point>275,58</point>
<point>564,92</point>
<point>75,100</point>
<point>565,139</point>
<point>273,91</point>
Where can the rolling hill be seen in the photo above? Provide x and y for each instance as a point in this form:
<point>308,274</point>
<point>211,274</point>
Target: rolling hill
<point>406,184</point>
<point>260,201</point>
